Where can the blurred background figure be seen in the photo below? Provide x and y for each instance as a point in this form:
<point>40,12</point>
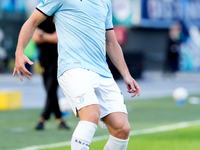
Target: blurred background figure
<point>172,53</point>
<point>46,39</point>
<point>3,54</point>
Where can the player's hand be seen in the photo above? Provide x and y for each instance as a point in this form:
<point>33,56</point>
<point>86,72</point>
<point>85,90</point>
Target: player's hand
<point>20,62</point>
<point>132,86</point>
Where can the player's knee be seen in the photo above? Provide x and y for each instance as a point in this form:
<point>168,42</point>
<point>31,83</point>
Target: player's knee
<point>91,116</point>
<point>94,117</point>
<point>126,129</point>
<point>123,131</point>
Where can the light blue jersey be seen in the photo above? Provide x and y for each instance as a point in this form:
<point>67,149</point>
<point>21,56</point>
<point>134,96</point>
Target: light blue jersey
<point>81,27</point>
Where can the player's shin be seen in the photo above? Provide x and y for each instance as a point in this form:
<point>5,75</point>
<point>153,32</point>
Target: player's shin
<point>83,135</point>
<point>116,144</point>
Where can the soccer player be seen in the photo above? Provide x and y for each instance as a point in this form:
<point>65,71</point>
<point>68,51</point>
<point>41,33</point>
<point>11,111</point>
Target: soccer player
<point>85,33</point>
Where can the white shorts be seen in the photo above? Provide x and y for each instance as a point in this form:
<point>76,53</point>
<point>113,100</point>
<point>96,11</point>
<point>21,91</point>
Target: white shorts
<point>83,87</point>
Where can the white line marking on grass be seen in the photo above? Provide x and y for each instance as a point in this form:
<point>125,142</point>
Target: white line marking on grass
<point>47,146</point>
<point>19,129</point>
<point>132,133</point>
<point>165,128</point>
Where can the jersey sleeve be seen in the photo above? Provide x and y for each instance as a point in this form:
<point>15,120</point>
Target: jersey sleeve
<point>109,23</point>
<point>49,7</point>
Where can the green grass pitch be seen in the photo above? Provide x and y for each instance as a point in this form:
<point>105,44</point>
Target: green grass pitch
<point>180,139</point>
<point>17,127</point>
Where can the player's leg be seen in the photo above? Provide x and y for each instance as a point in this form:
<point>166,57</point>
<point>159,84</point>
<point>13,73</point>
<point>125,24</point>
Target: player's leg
<point>84,132</point>
<point>119,128</point>
<point>89,113</point>
<point>78,88</point>
<point>114,114</point>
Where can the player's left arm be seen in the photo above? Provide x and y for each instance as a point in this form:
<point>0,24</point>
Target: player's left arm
<point>115,53</point>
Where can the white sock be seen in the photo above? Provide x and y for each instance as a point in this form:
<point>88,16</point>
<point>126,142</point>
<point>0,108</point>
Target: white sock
<point>83,135</point>
<point>116,144</point>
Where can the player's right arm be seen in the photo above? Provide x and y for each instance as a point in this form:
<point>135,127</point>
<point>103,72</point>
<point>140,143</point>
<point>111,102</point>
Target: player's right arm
<point>25,35</point>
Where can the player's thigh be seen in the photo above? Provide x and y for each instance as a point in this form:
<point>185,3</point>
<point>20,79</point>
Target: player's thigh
<point>78,88</point>
<point>116,120</point>
<point>110,97</point>
<point>89,113</point>
<point>74,83</point>
<point>118,124</point>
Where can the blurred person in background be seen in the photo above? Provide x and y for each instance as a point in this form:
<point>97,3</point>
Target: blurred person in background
<point>46,39</point>
<point>175,36</point>
<point>3,54</point>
